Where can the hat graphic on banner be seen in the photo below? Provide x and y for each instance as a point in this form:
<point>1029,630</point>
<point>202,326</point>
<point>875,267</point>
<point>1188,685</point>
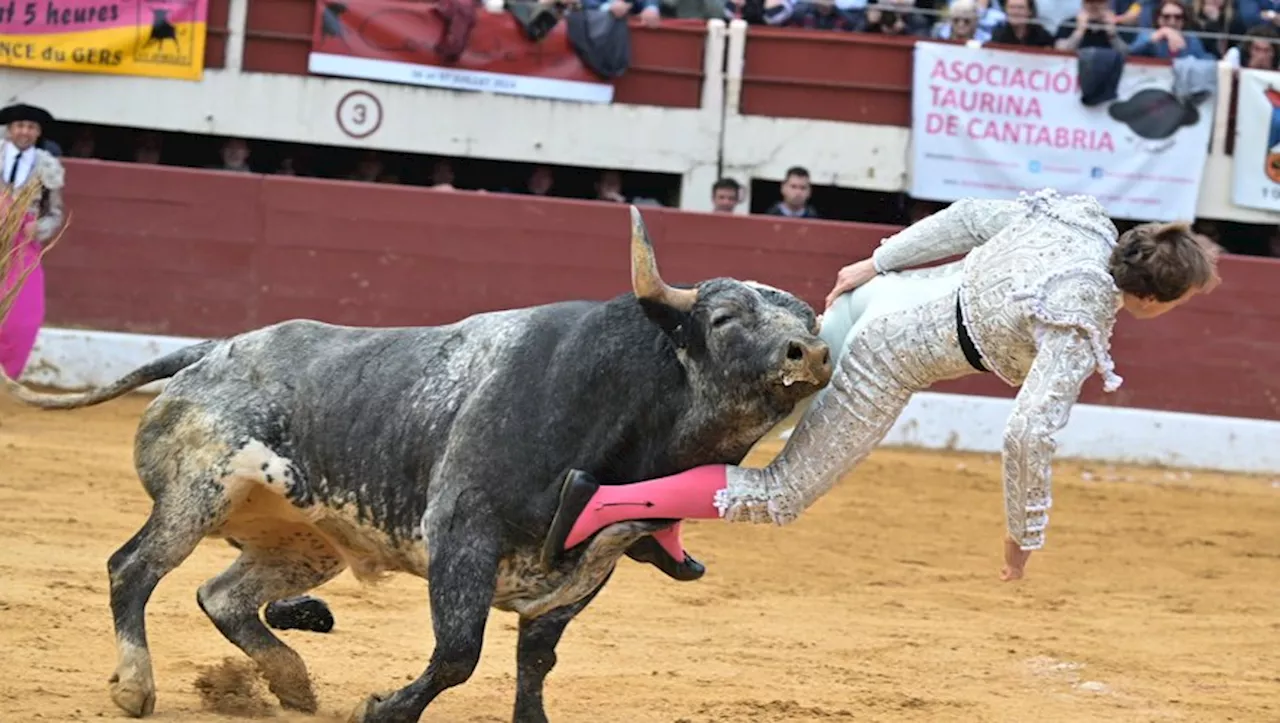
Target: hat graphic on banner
<point>1154,113</point>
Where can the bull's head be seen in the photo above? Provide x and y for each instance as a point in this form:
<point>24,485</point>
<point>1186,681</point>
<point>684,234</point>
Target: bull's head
<point>745,339</point>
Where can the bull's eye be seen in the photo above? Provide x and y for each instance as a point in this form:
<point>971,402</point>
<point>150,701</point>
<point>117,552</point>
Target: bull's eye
<point>720,320</point>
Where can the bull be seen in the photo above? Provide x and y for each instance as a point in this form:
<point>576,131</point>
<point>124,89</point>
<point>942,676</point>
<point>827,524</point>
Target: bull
<point>439,452</point>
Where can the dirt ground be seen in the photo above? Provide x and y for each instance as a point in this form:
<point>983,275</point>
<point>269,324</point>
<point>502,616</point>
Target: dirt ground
<point>1155,600</point>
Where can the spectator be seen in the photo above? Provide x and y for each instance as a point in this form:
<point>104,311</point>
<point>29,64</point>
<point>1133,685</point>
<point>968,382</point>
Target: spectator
<point>824,15</point>
<point>368,169</point>
<point>978,20</point>
<point>1168,40</point>
<point>961,24</point>
<point>648,10</point>
<point>1022,26</point>
<point>540,181</point>
<point>442,175</point>
<point>295,160</point>
<point>795,195</point>
<point>1075,33</point>
<point>235,156</point>
<point>148,148</point>
<point>1217,16</point>
<point>1260,49</point>
<point>726,194</point>
<point>1256,12</point>
<point>84,144</point>
<point>759,12</point>
<point>896,17</point>
<point>609,187</point>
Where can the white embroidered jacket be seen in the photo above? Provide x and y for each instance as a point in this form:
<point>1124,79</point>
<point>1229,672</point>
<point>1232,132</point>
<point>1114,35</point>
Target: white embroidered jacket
<point>53,176</point>
<point>1040,306</point>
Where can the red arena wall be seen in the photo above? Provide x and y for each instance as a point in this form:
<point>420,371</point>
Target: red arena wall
<point>204,253</point>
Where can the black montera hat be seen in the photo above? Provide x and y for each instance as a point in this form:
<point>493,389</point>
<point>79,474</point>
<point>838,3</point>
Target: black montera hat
<point>24,112</point>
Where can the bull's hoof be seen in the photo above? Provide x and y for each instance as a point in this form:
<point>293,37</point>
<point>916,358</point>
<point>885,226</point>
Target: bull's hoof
<point>137,700</point>
<point>299,613</point>
<point>303,702</point>
<point>380,708</point>
<point>575,493</point>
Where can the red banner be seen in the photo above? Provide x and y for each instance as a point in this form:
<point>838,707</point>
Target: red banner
<point>429,44</point>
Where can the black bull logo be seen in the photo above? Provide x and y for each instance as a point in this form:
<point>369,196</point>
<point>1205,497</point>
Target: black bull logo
<point>162,30</point>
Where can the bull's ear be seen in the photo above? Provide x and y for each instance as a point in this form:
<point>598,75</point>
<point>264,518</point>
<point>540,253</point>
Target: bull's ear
<point>673,322</point>
<point>645,280</point>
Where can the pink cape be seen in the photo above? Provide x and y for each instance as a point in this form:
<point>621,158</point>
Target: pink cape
<point>19,329</point>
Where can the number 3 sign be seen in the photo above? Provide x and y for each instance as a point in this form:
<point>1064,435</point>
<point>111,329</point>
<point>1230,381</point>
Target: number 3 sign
<point>359,114</point>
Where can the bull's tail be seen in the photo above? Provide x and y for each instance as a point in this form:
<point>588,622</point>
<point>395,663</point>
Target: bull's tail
<point>161,368</point>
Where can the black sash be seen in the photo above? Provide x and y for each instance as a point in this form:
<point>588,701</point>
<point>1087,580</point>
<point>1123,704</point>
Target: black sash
<point>966,342</point>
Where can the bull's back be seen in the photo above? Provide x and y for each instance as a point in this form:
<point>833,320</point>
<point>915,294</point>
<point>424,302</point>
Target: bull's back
<point>364,415</point>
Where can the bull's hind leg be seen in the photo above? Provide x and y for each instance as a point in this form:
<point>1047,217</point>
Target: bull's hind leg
<point>170,534</point>
<point>536,656</point>
<point>263,573</point>
<point>464,542</point>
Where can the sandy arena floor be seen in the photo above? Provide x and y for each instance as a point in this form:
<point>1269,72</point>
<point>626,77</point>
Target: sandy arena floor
<point>1156,600</point>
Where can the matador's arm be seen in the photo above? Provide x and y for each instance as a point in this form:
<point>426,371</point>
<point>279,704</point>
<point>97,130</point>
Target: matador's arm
<point>1063,362</point>
<point>957,229</point>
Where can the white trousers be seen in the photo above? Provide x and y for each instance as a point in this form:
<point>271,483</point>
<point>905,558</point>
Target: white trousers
<point>896,335</point>
<point>852,311</point>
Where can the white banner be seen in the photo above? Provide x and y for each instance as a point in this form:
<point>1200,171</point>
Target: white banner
<point>391,71</point>
<point>1256,159</point>
<point>993,123</point>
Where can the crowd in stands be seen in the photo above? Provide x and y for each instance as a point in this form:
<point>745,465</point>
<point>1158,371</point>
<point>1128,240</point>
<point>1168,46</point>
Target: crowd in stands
<point>1241,31</point>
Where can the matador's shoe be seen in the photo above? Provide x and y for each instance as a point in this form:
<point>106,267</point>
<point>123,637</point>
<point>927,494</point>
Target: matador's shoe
<point>575,494</point>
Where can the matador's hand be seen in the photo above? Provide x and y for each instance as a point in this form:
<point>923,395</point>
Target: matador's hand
<point>850,278</point>
<point>1015,560</point>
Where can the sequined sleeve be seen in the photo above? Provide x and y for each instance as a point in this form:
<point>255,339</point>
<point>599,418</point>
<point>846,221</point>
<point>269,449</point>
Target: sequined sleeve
<point>957,229</point>
<point>1064,360</point>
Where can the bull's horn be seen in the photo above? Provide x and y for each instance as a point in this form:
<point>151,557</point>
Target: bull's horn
<point>645,280</point>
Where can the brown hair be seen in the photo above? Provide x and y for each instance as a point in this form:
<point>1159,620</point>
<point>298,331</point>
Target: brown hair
<point>1163,261</point>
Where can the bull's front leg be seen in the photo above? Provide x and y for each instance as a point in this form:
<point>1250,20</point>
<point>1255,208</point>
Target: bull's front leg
<point>464,538</point>
<point>536,656</point>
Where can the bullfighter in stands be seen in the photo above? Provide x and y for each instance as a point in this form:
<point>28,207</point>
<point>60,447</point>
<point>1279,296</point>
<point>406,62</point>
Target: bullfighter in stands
<point>24,162</point>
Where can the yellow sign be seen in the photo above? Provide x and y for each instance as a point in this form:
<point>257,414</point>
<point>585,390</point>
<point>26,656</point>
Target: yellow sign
<point>153,38</point>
